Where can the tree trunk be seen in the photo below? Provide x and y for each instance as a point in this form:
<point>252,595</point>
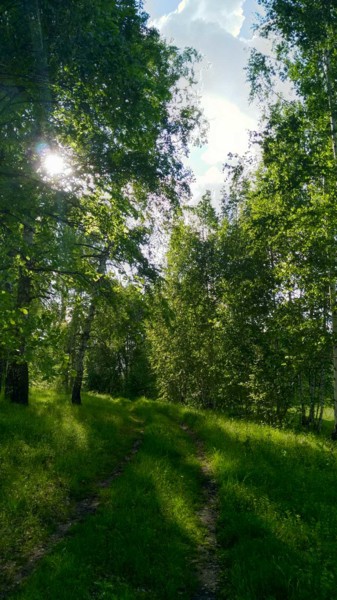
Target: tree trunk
<point>321,402</point>
<point>334,346</point>
<point>43,102</point>
<point>17,378</point>
<point>333,307</point>
<point>17,382</point>
<point>80,355</point>
<point>312,388</point>
<point>334,354</point>
<point>2,372</point>
<point>85,335</point>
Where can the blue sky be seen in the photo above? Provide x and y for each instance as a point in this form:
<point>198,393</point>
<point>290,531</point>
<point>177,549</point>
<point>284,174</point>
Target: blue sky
<point>221,31</point>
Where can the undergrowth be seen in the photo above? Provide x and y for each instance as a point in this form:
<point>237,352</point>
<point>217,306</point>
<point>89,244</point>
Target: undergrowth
<point>51,455</point>
<point>142,541</point>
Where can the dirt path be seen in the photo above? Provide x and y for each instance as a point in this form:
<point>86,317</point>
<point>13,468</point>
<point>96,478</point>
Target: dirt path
<point>206,562</point>
<point>83,509</point>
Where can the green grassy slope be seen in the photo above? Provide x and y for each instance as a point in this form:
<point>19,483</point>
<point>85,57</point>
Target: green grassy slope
<point>51,455</point>
<point>278,497</point>
<point>277,490</point>
<point>142,539</point>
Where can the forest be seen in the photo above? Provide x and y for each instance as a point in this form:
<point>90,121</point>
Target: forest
<point>168,368</point>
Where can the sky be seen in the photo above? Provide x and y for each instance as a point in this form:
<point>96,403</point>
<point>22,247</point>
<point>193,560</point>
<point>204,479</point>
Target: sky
<point>220,30</point>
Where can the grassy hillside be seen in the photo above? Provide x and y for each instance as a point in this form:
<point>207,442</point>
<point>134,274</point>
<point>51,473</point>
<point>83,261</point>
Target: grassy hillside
<point>51,454</point>
<point>277,502</point>
<point>142,539</point>
<point>278,517</point>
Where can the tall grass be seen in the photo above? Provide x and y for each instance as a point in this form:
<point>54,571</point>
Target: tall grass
<point>143,539</point>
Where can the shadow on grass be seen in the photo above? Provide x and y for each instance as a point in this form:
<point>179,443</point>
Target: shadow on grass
<point>51,455</point>
<point>142,541</point>
<point>278,523</point>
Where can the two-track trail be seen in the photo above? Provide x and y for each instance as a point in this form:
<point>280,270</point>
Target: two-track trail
<point>204,562</point>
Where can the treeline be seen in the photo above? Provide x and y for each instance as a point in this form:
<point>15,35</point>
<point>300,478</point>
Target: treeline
<point>250,313</point>
<point>237,324</point>
<point>244,314</point>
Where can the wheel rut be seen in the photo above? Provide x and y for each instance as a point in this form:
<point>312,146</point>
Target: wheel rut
<point>206,561</point>
<point>83,509</point>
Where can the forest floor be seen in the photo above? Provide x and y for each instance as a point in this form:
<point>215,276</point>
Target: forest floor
<point>125,500</point>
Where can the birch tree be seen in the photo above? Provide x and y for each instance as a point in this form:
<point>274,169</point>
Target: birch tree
<point>95,82</point>
<point>303,36</point>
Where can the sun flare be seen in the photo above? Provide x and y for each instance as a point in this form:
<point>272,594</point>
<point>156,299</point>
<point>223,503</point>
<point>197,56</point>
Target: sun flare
<point>54,164</point>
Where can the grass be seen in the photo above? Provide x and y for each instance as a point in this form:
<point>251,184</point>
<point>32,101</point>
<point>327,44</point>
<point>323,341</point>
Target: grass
<point>143,538</point>
<point>278,509</point>
<point>51,455</point>
<point>277,490</point>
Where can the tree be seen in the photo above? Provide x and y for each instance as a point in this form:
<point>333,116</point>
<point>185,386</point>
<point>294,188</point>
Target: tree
<point>118,355</point>
<point>304,34</point>
<point>182,328</point>
<point>97,84</point>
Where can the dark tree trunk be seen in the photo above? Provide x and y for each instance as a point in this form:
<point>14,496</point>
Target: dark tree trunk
<point>2,373</point>
<point>17,382</point>
<point>8,381</point>
<point>76,391</point>
<point>17,378</point>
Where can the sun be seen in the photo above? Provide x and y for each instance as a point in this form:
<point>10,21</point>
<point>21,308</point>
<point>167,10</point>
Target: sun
<point>54,164</point>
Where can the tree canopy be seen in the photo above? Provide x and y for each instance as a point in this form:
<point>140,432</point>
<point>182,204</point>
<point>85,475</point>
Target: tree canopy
<point>95,87</point>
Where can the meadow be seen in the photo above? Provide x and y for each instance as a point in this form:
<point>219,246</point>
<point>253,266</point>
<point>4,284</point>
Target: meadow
<point>277,509</point>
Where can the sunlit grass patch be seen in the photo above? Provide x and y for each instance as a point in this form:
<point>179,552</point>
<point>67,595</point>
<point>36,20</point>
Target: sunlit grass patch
<point>277,496</point>
<point>278,519</point>
<point>51,454</point>
<point>142,541</point>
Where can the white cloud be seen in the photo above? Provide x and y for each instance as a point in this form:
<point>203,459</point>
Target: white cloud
<point>228,128</point>
<point>229,17</point>
<point>228,132</point>
<point>213,180</point>
<point>213,28</point>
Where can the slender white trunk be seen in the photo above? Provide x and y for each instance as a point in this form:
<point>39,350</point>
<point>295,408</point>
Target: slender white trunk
<point>42,96</point>
<point>85,335</point>
<point>333,305</point>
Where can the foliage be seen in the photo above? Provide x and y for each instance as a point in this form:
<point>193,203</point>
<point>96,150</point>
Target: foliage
<point>273,308</point>
<point>299,159</point>
<point>118,354</point>
<point>111,102</point>
<point>182,327</point>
